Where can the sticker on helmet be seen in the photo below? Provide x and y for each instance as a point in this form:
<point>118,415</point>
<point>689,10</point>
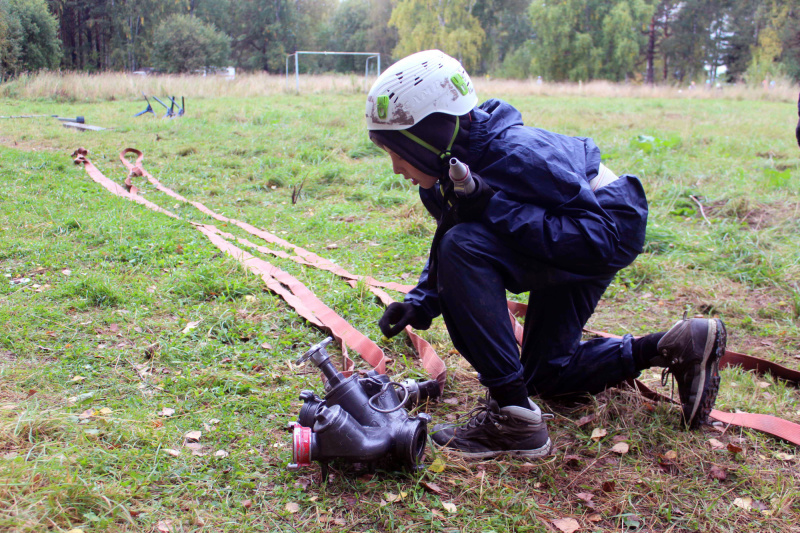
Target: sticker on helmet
<point>383,106</point>
<point>460,84</point>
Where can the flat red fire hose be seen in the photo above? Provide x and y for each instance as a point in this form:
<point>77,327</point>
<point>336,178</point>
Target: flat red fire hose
<point>784,429</point>
<point>298,295</point>
<point>313,310</point>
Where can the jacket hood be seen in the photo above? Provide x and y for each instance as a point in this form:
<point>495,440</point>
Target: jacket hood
<point>491,119</point>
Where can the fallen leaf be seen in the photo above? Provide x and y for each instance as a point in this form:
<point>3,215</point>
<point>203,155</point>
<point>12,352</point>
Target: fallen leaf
<point>784,456</point>
<point>595,517</point>
<point>437,465</point>
<point>760,506</point>
<point>66,272</point>
<point>170,451</point>
<point>190,326</point>
<point>193,436</point>
<point>585,496</point>
<point>77,378</point>
<point>671,455</point>
<point>266,346</point>
<point>196,447</point>
<point>392,497</point>
<point>620,448</point>
<point>221,453</point>
<point>164,526</point>
<point>567,525</point>
<point>450,507</point>
<point>745,503</point>
<point>432,487</point>
<point>89,413</point>
<point>716,472</point>
<point>598,433</point>
<point>105,411</point>
<point>585,420</point>
<point>75,531</point>
<point>763,384</point>
<point>214,421</point>
<point>292,507</point>
<point>733,449</point>
<point>609,486</point>
<point>715,444</point>
<point>114,328</point>
<point>527,467</point>
<point>166,411</point>
<point>332,246</point>
<point>451,401</point>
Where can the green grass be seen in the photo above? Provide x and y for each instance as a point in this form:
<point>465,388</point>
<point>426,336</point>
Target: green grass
<point>97,295</point>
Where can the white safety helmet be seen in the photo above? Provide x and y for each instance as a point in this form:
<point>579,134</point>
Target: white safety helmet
<point>416,86</point>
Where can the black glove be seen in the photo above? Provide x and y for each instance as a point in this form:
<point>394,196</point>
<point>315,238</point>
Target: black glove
<point>402,315</point>
<point>471,207</point>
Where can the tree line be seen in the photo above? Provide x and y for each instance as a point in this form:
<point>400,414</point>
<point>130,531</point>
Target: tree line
<point>652,41</point>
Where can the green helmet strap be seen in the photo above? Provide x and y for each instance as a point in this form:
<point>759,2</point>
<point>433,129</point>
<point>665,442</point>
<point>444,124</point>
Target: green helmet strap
<point>444,155</point>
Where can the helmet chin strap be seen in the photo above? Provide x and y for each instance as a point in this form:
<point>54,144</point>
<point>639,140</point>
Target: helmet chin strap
<point>444,156</point>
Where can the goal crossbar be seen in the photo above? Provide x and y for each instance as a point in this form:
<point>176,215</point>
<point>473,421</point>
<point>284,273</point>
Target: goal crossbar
<point>368,55</point>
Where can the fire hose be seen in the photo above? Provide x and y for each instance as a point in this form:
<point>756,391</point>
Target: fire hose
<point>784,429</point>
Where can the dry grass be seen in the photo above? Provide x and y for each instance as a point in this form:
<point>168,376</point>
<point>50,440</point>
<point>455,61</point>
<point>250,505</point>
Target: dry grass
<point>120,86</point>
<point>781,92</point>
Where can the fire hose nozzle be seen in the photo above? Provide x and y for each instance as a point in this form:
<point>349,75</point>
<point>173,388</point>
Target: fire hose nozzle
<point>460,175</point>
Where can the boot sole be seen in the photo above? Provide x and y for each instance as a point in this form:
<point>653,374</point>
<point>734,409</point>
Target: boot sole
<point>709,375</point>
<point>536,453</point>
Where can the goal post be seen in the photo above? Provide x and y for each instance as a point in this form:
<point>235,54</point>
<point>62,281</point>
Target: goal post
<point>367,55</point>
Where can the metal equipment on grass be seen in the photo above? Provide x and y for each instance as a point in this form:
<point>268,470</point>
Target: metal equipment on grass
<point>148,109</point>
<point>361,420</point>
<point>79,120</point>
<point>171,109</point>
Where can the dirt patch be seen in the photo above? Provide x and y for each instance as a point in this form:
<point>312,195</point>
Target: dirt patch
<point>771,155</point>
<point>751,316</point>
<point>756,215</point>
<point>28,146</point>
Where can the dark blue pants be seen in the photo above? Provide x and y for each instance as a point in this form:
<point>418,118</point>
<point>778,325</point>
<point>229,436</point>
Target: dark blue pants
<point>475,269</point>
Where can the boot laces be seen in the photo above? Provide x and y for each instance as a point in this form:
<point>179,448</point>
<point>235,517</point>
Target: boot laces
<point>482,414</point>
<point>673,362</point>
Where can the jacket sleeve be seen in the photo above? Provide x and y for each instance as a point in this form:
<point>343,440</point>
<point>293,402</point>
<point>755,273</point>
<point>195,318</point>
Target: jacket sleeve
<point>421,296</point>
<point>545,208</point>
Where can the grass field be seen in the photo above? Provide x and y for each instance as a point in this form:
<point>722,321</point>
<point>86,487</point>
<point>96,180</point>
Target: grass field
<point>113,316</point>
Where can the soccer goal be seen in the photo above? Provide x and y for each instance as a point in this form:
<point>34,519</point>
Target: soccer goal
<point>369,56</point>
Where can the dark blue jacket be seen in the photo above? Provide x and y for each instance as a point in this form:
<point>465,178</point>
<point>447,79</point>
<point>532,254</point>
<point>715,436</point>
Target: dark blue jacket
<point>544,207</point>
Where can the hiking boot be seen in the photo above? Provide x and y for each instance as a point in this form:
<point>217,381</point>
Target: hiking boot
<point>692,349</point>
<point>493,430</point>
